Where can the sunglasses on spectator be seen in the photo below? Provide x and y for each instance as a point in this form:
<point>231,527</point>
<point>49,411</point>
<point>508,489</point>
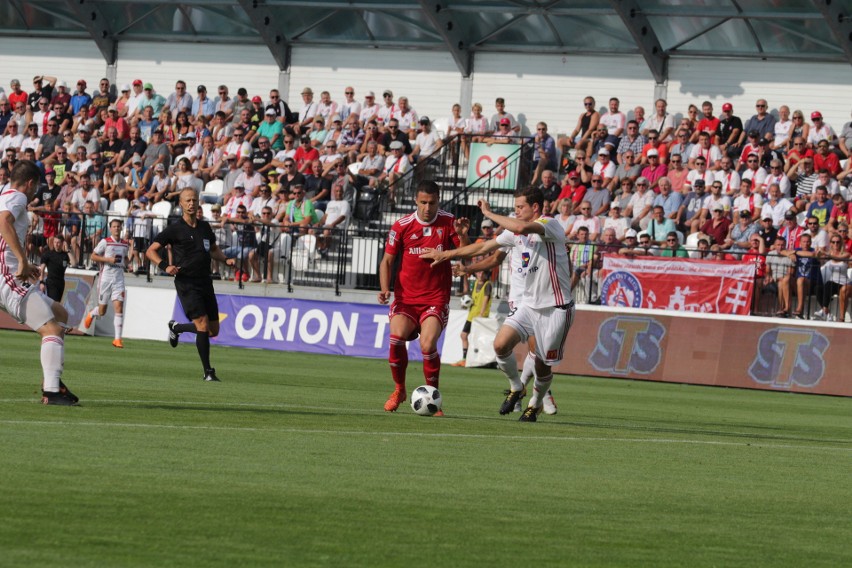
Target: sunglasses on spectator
<point>681,135</point>
<point>837,242</point>
<point>676,161</point>
<point>652,137</point>
<point>288,140</point>
<point>273,97</point>
<point>812,224</point>
<point>585,208</point>
<point>349,92</point>
<point>641,184</point>
<point>760,106</point>
<point>588,104</point>
<point>671,240</point>
<point>597,181</point>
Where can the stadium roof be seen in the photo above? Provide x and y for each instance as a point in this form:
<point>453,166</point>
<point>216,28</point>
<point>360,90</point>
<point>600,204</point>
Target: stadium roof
<point>805,30</point>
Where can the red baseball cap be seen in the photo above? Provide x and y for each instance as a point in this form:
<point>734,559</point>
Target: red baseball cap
<point>815,115</point>
<point>573,174</point>
<point>256,99</point>
<point>137,81</point>
<point>727,106</point>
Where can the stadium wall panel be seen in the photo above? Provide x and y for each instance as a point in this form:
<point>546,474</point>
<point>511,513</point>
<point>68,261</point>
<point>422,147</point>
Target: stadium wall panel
<point>67,60</point>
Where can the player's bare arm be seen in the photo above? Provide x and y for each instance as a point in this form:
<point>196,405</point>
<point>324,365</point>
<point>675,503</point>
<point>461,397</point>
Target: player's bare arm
<point>512,224</point>
<point>487,263</point>
<point>384,278</point>
<point>26,271</point>
<point>467,251</point>
<point>462,227</point>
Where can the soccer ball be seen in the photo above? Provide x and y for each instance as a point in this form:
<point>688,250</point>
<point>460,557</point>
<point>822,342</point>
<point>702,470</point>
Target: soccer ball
<point>466,301</point>
<point>426,400</point>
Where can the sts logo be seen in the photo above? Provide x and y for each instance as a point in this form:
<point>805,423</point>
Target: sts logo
<point>789,356</point>
<point>628,344</point>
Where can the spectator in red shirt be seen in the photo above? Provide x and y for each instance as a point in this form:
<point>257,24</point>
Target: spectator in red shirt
<point>572,190</point>
<point>305,156</point>
<point>708,123</point>
<point>825,159</point>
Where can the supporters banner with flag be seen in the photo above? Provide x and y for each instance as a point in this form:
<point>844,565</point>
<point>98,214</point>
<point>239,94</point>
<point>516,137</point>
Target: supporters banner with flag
<point>678,284</point>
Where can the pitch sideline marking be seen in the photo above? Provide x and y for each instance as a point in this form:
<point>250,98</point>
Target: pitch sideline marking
<point>422,434</point>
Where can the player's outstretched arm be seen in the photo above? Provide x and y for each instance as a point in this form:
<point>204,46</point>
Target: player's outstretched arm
<point>486,263</point>
<point>468,251</point>
<point>511,224</point>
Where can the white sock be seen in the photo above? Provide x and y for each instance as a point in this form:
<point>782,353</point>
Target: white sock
<point>528,372</point>
<point>509,366</point>
<point>95,313</point>
<point>542,385</point>
<point>118,324</point>
<point>52,355</point>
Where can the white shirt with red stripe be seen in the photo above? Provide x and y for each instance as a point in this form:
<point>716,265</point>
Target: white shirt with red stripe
<point>110,247</point>
<point>543,258</point>
<point>15,203</point>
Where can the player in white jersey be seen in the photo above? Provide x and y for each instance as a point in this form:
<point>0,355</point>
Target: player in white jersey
<point>517,277</point>
<point>547,310</point>
<point>111,253</point>
<point>18,298</point>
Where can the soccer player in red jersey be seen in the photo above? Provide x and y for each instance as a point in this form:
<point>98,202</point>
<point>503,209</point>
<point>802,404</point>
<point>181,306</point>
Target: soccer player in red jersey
<point>421,304</point>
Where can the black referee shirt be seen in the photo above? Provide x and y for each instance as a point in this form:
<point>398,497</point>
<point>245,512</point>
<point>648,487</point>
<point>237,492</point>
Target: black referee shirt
<point>56,263</point>
<point>190,247</point>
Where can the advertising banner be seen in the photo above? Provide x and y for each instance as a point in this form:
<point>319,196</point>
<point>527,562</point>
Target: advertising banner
<point>75,298</point>
<point>484,158</point>
<point>678,284</point>
<point>708,350</point>
<point>290,324</point>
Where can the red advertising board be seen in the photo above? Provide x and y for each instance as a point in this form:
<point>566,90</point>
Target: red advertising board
<point>678,284</point>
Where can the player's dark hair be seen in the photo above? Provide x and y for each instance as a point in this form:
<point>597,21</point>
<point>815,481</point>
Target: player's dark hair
<point>428,187</point>
<point>119,221</point>
<point>532,194</point>
<point>24,171</point>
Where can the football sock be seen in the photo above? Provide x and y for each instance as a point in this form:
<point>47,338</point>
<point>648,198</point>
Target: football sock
<point>398,359</point>
<point>528,372</point>
<point>464,353</point>
<point>185,328</point>
<point>118,324</point>
<point>52,355</point>
<point>202,343</point>
<point>432,368</point>
<point>542,385</point>
<point>95,313</point>
<point>509,365</point>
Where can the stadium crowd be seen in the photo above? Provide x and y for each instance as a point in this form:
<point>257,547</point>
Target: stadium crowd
<point>773,188</point>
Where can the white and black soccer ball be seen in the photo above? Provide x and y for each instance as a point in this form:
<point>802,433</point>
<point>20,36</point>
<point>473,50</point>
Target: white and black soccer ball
<point>426,400</point>
<point>466,302</point>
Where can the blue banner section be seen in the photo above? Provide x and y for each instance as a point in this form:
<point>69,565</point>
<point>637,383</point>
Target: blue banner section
<point>290,324</point>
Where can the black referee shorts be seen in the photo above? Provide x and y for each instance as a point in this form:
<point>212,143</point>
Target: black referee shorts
<point>197,298</point>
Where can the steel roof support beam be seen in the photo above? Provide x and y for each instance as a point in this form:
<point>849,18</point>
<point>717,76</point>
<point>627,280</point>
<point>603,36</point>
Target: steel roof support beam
<point>643,34</point>
<point>441,17</point>
<point>90,17</point>
<point>264,22</point>
<point>840,24</point>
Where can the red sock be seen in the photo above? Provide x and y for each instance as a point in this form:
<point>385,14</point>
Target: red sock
<point>432,368</point>
<point>398,359</point>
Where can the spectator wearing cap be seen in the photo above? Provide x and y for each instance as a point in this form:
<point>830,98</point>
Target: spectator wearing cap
<point>350,109</point>
<point>632,141</point>
<point>334,130</point>
<point>318,132</point>
<point>202,105</point>
<point>604,166</point>
<point>157,151</point>
<point>238,198</point>
<point>640,207</point>
<point>150,98</point>
<point>386,110</point>
<point>395,167</point>
<point>80,98</point>
<point>157,184</point>
<point>86,140</point>
<point>122,129</point>
<point>765,228</point>
<point>180,100</point>
<point>500,115</point>
<point>369,110</point>
<point>427,141</point>
<point>740,232</point>
<point>631,244</point>
<point>309,111</point>
<point>718,226</point>
<point>729,131</point>
<point>282,110</point>
<point>240,103</point>
<point>655,170</point>
<point>820,130</point>
<point>502,134</point>
<point>61,96</point>
<point>693,211</point>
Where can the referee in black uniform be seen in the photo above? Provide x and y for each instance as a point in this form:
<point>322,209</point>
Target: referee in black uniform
<point>193,246</point>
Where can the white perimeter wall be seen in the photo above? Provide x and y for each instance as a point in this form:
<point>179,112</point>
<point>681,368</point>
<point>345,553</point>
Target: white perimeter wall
<point>536,87</point>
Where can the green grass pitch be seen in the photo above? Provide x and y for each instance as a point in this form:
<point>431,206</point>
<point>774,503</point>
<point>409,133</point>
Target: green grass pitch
<point>291,461</point>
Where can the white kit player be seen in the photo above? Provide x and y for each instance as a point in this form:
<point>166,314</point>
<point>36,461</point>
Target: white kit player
<point>517,281</point>
<point>547,310</point>
<point>111,253</point>
<point>18,298</point>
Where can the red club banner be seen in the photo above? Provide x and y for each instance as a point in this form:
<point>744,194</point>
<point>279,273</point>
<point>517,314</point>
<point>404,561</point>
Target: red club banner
<point>678,284</point>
